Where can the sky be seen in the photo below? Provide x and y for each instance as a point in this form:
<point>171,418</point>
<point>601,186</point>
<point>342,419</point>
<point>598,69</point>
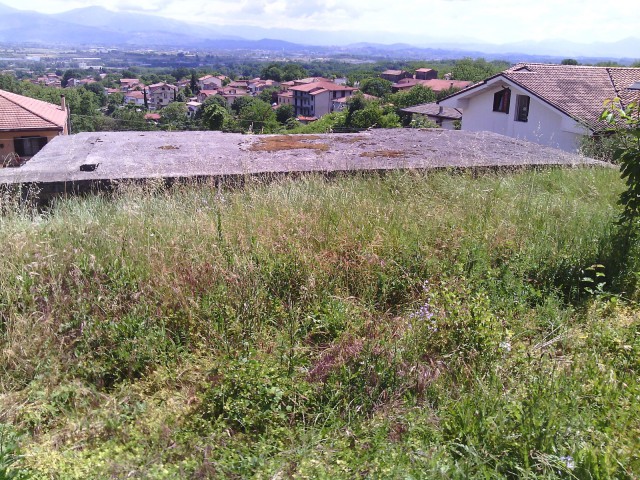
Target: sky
<point>490,21</point>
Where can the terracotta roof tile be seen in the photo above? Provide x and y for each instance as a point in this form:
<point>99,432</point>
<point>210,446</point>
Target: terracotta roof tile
<point>24,113</point>
<point>316,86</point>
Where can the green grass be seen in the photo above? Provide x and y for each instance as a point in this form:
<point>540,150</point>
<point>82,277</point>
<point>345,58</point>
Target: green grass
<point>402,326</point>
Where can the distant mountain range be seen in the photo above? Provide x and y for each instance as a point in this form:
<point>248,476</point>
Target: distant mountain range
<point>93,26</point>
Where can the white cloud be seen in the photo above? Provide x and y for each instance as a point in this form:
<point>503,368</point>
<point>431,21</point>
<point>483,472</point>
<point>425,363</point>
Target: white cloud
<point>498,21</point>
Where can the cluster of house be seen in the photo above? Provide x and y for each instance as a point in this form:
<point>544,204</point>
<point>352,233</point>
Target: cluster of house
<point>311,98</point>
<point>553,105</point>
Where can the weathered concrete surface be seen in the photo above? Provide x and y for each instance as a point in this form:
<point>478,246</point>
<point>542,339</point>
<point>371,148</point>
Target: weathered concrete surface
<point>139,155</point>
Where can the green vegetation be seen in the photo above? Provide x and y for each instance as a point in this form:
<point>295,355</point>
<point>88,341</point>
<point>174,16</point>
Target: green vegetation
<point>409,325</point>
<point>625,140</point>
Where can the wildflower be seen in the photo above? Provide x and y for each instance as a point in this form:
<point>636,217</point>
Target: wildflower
<point>568,461</point>
<point>424,314</point>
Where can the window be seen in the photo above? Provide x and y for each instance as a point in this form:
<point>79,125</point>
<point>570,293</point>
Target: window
<point>28,146</point>
<point>501,101</point>
<point>522,108</point>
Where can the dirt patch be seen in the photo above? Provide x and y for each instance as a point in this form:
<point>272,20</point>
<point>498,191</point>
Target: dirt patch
<point>384,154</point>
<point>169,147</point>
<point>355,139</point>
<point>288,142</point>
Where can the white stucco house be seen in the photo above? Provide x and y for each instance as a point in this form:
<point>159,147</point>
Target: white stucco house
<point>554,105</point>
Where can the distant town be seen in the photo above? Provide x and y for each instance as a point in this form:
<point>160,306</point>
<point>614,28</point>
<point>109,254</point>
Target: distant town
<point>105,89</point>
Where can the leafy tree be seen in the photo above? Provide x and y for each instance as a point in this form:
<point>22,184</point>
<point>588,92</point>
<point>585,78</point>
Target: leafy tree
<point>216,100</point>
<point>362,114</point>
<point>129,74</point>
<point>214,116</point>
<point>415,96</point>
<point>98,90</point>
<point>131,119</point>
<point>625,123</point>
<point>258,116</point>
<point>193,83</point>
<point>180,72</point>
<point>272,72</point>
<point>88,104</point>
<point>636,64</point>
<point>293,71</point>
<point>9,83</point>
<point>284,113</point>
<point>354,104</point>
<point>269,95</point>
<point>180,97</point>
<point>376,86</point>
<point>114,101</point>
<point>174,116</point>
<point>68,75</point>
<point>240,102</point>
<point>569,61</point>
<point>476,70</point>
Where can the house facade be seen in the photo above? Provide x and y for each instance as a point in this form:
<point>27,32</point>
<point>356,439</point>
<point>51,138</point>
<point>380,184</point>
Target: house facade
<point>160,95</point>
<point>316,99</point>
<point>553,105</point>
<point>134,97</point>
<point>426,74</point>
<point>27,125</point>
<point>209,82</point>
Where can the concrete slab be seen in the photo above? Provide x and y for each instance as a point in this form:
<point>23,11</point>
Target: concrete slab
<point>95,158</point>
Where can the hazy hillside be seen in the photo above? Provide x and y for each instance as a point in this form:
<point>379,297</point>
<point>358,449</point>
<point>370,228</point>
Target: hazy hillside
<point>96,25</point>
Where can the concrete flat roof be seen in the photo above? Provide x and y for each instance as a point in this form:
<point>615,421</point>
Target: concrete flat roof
<point>109,156</point>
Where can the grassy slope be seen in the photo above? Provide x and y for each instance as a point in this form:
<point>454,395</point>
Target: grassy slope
<point>406,326</point>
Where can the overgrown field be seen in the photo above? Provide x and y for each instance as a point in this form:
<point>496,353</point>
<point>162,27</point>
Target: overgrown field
<point>406,326</point>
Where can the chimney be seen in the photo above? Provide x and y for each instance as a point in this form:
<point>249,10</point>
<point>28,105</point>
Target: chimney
<point>440,110</point>
<point>63,103</point>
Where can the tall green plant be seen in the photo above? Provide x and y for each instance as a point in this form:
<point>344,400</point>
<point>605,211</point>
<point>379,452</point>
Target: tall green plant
<point>625,122</point>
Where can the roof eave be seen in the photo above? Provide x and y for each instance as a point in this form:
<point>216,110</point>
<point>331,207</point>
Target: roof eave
<point>33,129</point>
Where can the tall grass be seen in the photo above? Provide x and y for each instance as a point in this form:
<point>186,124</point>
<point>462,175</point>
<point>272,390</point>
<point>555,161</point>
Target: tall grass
<point>411,324</point>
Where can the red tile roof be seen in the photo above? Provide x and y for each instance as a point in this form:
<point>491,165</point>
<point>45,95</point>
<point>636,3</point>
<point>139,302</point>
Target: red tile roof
<point>316,87</point>
<point>135,94</point>
<point>435,84</point>
<point>439,85</point>
<point>156,86</point>
<point>24,113</point>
